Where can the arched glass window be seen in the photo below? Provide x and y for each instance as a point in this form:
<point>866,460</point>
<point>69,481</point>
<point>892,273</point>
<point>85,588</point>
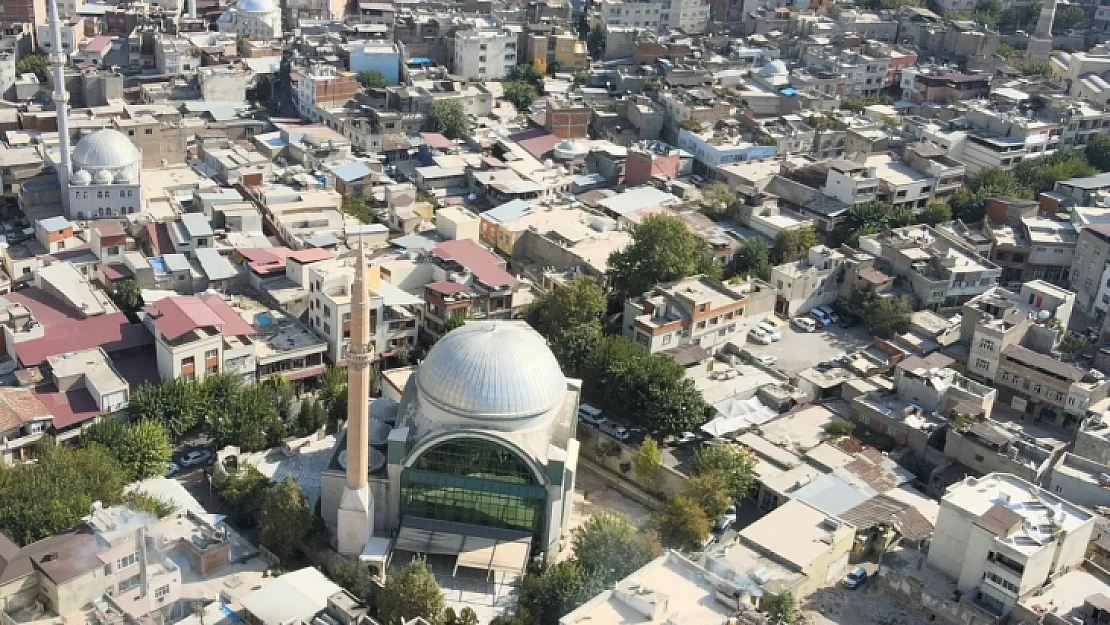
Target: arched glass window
<point>475,458</point>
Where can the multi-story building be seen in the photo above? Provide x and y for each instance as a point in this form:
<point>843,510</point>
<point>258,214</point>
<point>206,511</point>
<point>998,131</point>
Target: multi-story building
<point>697,311</point>
<point>567,119</point>
<point>197,336</point>
<point>712,149</point>
<point>1090,270</point>
<point>987,447</point>
<point>1003,539</point>
<point>900,184</point>
<point>466,279</point>
<point>175,55</point>
<point>999,319</point>
<point>851,182</point>
<point>381,57</point>
<point>324,86</point>
<point>929,86</point>
<point>484,54</point>
<point>862,75</point>
<point>563,49</point>
<point>1041,386</point>
<point>690,16</point>
<point>395,316</point>
<point>940,272</point>
<point>1032,248</point>
<point>804,284</point>
<point>24,12</point>
<point>624,14</point>
<point>929,159</point>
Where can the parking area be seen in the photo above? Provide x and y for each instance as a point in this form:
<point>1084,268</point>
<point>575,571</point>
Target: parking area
<point>800,350</point>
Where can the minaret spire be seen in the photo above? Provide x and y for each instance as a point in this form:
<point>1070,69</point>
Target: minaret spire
<point>356,506</point>
<point>61,98</point>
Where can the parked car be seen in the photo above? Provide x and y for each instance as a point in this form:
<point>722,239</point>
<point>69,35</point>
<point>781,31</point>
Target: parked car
<point>726,520</point>
<point>830,313</point>
<point>805,324</point>
<point>757,335</point>
<point>767,361</point>
<point>770,330</point>
<point>686,438</point>
<point>590,416</point>
<point>856,578</point>
<point>195,458</point>
<point>821,317</point>
<point>616,430</point>
<point>172,469</point>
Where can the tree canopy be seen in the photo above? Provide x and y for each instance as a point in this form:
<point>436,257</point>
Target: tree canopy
<point>753,259</point>
<point>735,464</point>
<point>681,523</point>
<point>285,520</point>
<point>1098,152</point>
<point>935,213</point>
<point>717,201</point>
<point>372,79</point>
<point>448,117</point>
<point>883,315</point>
<point>37,64</point>
<point>142,448</point>
<point>662,250</point>
<point>577,302</point>
<point>519,93</point>
<point>793,244</point>
<point>409,592</point>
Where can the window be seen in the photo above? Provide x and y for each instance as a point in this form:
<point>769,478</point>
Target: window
<point>161,593</point>
<point>210,354</point>
<point>126,561</point>
<point>987,345</point>
<point>129,583</point>
<point>666,339</point>
<point>982,365</point>
<point>978,457</point>
<point>642,339</point>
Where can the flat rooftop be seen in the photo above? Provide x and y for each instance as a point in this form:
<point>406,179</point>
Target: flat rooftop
<point>796,533</point>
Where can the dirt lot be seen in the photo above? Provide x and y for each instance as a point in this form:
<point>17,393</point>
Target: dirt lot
<point>591,494</point>
<point>837,606</point>
<point>799,350</point>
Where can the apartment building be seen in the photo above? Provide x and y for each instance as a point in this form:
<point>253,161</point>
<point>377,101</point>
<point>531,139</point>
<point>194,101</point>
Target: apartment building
<point>199,335</point>
<point>850,182</point>
<point>699,311</point>
<point>484,54</point>
<point>899,183</point>
<point>999,319</point>
<point>465,278</point>
<point>323,86</point>
<point>940,272</point>
<point>805,284</point>
<point>691,16</point>
<point>1090,270</point>
<point>624,14</point>
<point>929,159</point>
<point>395,316</point>
<point>1041,386</point>
<point>712,148</point>
<point>565,49</point>
<point>1002,539</point>
<point>988,447</point>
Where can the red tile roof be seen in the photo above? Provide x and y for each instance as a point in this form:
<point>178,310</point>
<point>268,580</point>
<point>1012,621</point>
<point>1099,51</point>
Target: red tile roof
<point>177,316</point>
<point>68,408</point>
<point>160,241</point>
<point>447,287</point>
<point>273,259</point>
<point>98,44</point>
<point>437,140</point>
<point>537,143</point>
<point>485,265</point>
<point>113,332</point>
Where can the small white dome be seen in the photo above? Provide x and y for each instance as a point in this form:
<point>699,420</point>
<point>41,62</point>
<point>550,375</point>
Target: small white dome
<point>568,149</point>
<point>123,176</point>
<point>774,68</point>
<point>105,149</point>
<point>80,178</point>
<point>492,371</point>
<point>102,176</point>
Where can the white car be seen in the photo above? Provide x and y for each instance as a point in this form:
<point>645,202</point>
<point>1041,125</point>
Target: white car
<point>172,469</point>
<point>759,336</point>
<point>830,313</point>
<point>804,324</point>
<point>770,330</point>
<point>767,361</point>
<point>195,457</point>
<point>821,316</point>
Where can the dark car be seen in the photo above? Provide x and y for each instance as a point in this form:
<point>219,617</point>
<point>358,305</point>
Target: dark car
<point>856,578</point>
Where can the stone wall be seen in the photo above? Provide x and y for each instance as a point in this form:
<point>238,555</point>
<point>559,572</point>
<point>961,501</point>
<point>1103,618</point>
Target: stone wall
<point>913,592</point>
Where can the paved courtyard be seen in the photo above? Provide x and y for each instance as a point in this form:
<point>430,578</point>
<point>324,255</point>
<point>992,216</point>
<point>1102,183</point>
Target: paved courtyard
<point>800,350</point>
<point>306,465</point>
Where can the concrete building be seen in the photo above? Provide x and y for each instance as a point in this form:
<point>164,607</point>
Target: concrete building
<point>697,311</point>
<point>1002,539</point>
<point>1089,275</point>
<point>380,57</point>
<point>255,19</point>
<point>805,284</point>
<point>196,336</point>
<point>623,14</point>
<point>690,16</point>
<point>176,55</point>
<point>484,54</point>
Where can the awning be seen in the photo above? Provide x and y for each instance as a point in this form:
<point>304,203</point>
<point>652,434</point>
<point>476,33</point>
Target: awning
<point>476,547</point>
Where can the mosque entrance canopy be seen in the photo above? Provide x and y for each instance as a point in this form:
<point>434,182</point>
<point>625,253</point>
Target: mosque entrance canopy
<point>493,550</point>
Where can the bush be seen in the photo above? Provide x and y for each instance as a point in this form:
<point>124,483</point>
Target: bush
<point>840,427</point>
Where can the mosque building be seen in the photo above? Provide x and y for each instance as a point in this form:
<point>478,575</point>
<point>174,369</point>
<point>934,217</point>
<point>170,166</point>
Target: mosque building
<point>252,19</point>
<point>477,460</point>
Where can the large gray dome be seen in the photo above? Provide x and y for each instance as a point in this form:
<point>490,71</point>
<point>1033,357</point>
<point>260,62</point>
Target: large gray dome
<point>492,371</point>
<point>105,149</point>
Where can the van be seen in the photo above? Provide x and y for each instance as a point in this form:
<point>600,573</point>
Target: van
<point>590,415</point>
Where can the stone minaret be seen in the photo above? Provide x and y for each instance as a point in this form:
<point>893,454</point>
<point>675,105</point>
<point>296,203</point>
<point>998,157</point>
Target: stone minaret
<point>1040,44</point>
<point>356,507</point>
<point>61,98</point>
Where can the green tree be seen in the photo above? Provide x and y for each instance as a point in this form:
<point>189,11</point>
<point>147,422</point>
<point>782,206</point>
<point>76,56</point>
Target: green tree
<point>1098,152</point>
<point>840,427</point>
<point>578,301</point>
<point>409,592</point>
<point>1068,16</point>
<point>647,462</point>
<point>37,64</point>
<point>575,348</point>
<point>176,404</point>
<point>710,491</point>
<point>794,244</point>
<point>355,578</point>
<point>245,493</point>
<point>372,79</point>
<point>608,547</point>
<point>142,448</point>
<point>863,219</point>
<point>332,382</point>
<point>1072,343</point>
<point>285,519</point>
<point>884,316</point>
<point>548,596</point>
<point>356,207</point>
<point>311,417</point>
<point>1040,69</point>
<point>681,523</point>
<point>43,499</point>
<point>128,296</point>
<point>717,201</point>
<point>448,117</point>
<point>467,616</point>
<point>1042,174</point>
<point>935,213</point>
<point>782,609</point>
<point>519,93</point>
<point>662,249</point>
<point>595,43</point>
<point>457,319</point>
<point>753,259</point>
<point>735,463</point>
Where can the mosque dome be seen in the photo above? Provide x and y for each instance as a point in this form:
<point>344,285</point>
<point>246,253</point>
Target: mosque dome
<point>80,178</point>
<point>491,371</point>
<point>105,149</point>
<point>569,149</point>
<point>774,68</point>
<point>102,176</point>
<point>123,177</point>
<point>256,6</point>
